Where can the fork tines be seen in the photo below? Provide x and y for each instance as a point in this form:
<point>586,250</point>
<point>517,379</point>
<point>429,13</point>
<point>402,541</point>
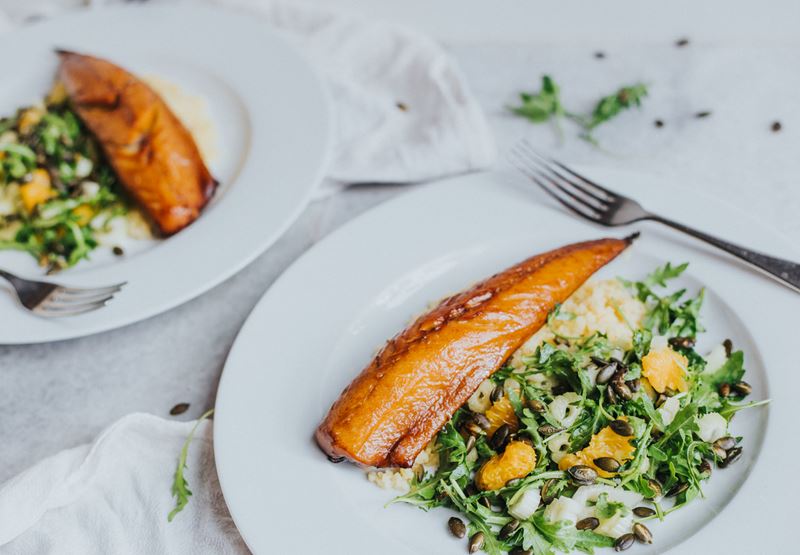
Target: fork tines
<point>579,194</point>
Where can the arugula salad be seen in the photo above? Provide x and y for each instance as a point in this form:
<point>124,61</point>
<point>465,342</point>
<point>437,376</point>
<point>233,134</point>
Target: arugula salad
<point>57,192</point>
<point>585,434</point>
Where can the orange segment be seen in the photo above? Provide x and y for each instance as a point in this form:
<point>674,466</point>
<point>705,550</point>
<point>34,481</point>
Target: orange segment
<point>605,443</point>
<point>664,368</point>
<point>517,461</point>
<point>37,190</point>
<point>501,412</point>
<point>83,214</point>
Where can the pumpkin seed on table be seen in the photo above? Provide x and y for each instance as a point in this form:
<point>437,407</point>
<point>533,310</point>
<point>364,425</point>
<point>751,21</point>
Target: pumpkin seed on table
<point>180,408</point>
<point>457,527</point>
<point>621,427</point>
<point>476,542</point>
<point>589,523</point>
<point>625,541</point>
<point>644,512</point>
<point>642,533</point>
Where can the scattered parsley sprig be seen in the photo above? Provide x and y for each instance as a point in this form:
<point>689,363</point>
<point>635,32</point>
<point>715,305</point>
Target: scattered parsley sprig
<point>546,105</point>
<point>180,487</point>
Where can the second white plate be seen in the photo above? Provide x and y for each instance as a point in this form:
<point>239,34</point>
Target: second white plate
<point>273,129</point>
<point>322,321</point>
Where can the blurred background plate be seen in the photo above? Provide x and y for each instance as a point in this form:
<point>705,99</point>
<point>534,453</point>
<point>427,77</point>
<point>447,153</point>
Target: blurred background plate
<point>272,122</point>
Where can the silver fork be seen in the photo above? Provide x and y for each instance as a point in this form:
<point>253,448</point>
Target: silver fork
<point>593,202</point>
<point>56,301</point>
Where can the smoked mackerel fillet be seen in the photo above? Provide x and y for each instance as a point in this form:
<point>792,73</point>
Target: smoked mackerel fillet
<point>398,403</point>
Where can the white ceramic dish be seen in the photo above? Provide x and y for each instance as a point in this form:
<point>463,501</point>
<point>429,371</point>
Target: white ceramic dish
<point>272,121</point>
<point>322,321</point>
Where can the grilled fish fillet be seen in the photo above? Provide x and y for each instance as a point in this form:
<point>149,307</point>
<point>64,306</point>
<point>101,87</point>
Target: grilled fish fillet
<point>392,410</point>
<point>151,151</point>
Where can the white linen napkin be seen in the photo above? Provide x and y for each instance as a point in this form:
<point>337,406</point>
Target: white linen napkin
<point>403,113</point>
<point>113,496</point>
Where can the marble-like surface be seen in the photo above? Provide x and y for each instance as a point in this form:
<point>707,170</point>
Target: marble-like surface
<point>59,395</point>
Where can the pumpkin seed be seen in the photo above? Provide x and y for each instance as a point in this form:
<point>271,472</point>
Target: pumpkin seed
<point>726,443</point>
<point>547,495</point>
<point>655,487</point>
<point>621,427</point>
<point>644,512</point>
<point>625,541</point>
<point>476,542</point>
<point>728,344</point>
<point>635,385</point>
<point>642,533</point>
<point>600,362</point>
<point>724,389</point>
<point>497,393</point>
<point>719,452</point>
<point>622,390</point>
<point>457,527</point>
<point>470,443</point>
<point>537,406</point>
<point>508,529</point>
<point>335,460</point>
<point>683,342</point>
<point>180,408</point>
<point>482,421</point>
<point>733,455</point>
<point>606,373</point>
<point>547,430</point>
<point>587,523</point>
<point>471,490</point>
<point>500,437</point>
<point>611,397</point>
<point>609,464</point>
<point>582,474</point>
<point>677,489</point>
<point>705,467</point>
<point>743,388</point>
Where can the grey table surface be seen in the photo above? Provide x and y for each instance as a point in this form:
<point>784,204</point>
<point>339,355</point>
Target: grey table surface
<point>56,396</point>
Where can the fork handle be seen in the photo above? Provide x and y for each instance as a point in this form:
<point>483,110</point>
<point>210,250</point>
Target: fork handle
<point>779,269</point>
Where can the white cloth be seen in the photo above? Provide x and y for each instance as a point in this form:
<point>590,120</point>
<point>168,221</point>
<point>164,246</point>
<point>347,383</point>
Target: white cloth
<point>113,496</point>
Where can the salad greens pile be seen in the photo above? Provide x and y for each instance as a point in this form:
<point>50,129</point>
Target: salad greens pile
<point>57,192</point>
<point>668,464</point>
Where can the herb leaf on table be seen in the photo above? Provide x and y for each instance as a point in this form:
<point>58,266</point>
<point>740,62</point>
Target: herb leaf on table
<point>180,487</point>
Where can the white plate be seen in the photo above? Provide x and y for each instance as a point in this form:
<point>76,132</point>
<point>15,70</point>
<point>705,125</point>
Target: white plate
<point>273,124</point>
<point>322,321</point>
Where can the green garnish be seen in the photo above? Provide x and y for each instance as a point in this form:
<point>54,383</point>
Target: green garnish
<point>545,105</point>
<point>76,192</point>
<point>180,487</point>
